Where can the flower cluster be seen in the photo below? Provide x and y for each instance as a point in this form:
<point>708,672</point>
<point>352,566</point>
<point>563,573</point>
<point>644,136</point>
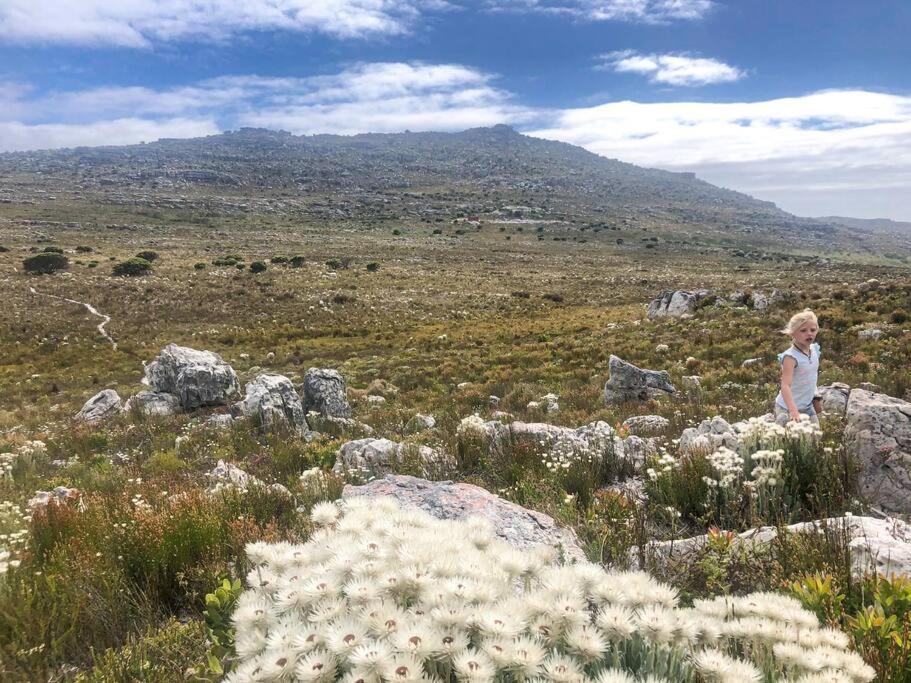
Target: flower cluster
<point>375,596</point>
<point>27,451</point>
<point>767,467</point>
<point>563,452</point>
<point>665,464</point>
<point>759,433</point>
<point>472,426</point>
<point>13,534</point>
<point>728,465</point>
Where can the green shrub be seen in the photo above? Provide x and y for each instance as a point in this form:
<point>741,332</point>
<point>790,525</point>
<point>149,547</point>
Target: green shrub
<point>898,316</point>
<point>46,263</point>
<point>82,249</point>
<point>279,260</point>
<point>133,267</point>
<point>396,232</point>
<point>297,261</point>
<point>164,463</point>
<point>52,250</point>
<point>372,267</point>
<point>148,255</point>
<point>3,249</point>
<point>92,264</point>
<point>258,267</point>
<point>199,266</point>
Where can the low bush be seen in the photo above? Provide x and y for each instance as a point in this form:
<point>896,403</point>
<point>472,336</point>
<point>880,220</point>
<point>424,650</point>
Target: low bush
<point>134,267</point>
<point>45,264</point>
<point>199,266</point>
<point>52,250</point>
<point>148,255</point>
<point>258,267</point>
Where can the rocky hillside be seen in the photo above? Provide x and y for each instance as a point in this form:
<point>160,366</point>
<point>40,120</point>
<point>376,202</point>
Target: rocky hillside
<point>365,177</point>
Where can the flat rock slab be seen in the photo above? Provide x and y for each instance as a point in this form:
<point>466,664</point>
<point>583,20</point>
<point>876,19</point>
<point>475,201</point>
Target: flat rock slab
<point>518,526</point>
<point>878,434</point>
<point>101,406</point>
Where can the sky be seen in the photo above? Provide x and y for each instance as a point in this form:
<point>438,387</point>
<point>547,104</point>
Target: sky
<point>806,103</point>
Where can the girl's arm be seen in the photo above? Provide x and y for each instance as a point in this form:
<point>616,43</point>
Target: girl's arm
<point>788,366</point>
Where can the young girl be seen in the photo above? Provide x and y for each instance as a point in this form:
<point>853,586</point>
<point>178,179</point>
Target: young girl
<point>799,370</point>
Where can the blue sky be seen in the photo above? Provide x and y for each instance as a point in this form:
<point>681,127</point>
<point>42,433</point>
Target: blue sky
<point>804,103</point>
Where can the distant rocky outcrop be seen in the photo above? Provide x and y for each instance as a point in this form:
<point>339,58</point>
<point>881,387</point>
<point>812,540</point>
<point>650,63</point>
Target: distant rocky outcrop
<point>629,383</point>
<point>878,434</point>
<point>101,406</point>
<point>516,525</point>
<point>674,304</point>
<point>197,378</point>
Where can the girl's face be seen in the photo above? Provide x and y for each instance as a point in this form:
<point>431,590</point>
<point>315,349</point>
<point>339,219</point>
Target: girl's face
<point>806,334</point>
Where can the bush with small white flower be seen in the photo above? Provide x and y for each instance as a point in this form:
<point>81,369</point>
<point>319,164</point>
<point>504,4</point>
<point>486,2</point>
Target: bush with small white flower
<point>374,596</point>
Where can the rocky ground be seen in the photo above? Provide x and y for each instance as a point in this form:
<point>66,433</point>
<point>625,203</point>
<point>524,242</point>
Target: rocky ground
<point>601,399</point>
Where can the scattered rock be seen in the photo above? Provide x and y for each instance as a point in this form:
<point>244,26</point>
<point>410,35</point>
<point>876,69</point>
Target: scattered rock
<point>629,383</point>
<point>325,392</point>
<point>878,434</point>
<point>518,526</point>
<point>877,545</point>
<point>670,304</point>
<point>760,301</point>
<point>870,335</point>
<point>493,400</point>
<point>692,382</point>
<point>750,362</point>
<point>420,423</point>
<point>372,458</point>
<point>197,378</point>
<point>153,403</point>
<point>103,405</point>
<point>646,424</point>
<point>338,426</point>
<point>59,496</point>
<point>273,404</point>
<point>374,401</point>
<point>219,421</point>
<point>633,489</point>
<point>869,386</point>
<point>708,436</point>
<point>834,398</point>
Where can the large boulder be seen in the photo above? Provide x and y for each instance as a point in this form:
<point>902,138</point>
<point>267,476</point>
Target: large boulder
<point>370,458</point>
<point>670,304</point>
<point>324,392</point>
<point>880,545</point>
<point>272,402</point>
<point>516,525</point>
<point>100,407</point>
<point>878,435</point>
<point>153,403</point>
<point>197,378</point>
<point>629,383</point>
<point>708,436</point>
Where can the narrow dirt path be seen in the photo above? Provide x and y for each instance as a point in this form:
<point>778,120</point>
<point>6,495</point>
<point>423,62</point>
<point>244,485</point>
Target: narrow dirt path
<point>105,319</point>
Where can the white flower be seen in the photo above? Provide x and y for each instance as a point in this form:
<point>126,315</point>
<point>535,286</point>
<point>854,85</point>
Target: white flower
<point>324,514</point>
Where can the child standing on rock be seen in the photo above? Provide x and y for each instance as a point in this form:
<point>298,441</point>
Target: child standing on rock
<point>799,370</point>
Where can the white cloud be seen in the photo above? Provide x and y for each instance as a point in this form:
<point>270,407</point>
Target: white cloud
<point>139,23</point>
<point>378,97</point>
<point>803,152</point>
<point>642,11</point>
<point>672,69</point>
<point>18,136</point>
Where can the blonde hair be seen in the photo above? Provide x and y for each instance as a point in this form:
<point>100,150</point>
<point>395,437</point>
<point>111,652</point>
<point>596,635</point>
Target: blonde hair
<point>798,320</point>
